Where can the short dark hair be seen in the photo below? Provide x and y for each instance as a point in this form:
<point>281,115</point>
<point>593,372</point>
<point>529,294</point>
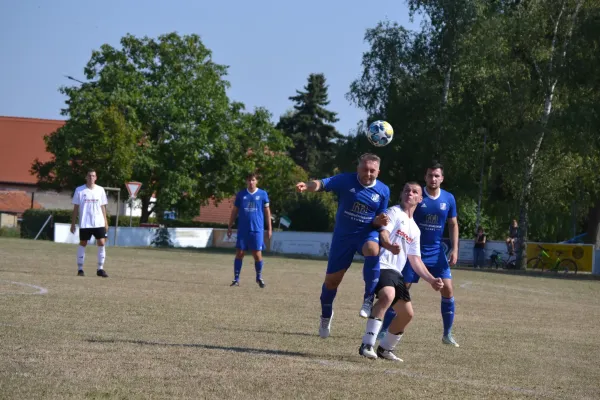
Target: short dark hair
<point>369,157</point>
<point>90,170</point>
<point>415,183</point>
<point>251,175</point>
<point>435,164</point>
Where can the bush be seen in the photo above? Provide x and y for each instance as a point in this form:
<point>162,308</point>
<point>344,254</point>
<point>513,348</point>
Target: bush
<point>9,232</point>
<point>312,212</point>
<point>33,220</point>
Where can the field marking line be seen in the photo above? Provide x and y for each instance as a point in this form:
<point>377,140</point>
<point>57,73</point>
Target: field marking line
<point>40,290</point>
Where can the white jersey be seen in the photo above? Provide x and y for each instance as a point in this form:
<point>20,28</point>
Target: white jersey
<point>90,202</point>
<point>404,231</point>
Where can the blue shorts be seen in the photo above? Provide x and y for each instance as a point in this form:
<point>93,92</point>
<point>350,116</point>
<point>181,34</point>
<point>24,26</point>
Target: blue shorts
<point>437,266</point>
<point>254,241</point>
<point>343,248</point>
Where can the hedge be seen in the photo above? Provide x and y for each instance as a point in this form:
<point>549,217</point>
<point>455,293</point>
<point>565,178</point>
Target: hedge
<point>33,219</point>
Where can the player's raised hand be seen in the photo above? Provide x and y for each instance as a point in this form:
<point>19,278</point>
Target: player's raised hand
<point>301,187</point>
<point>437,284</point>
<point>381,220</point>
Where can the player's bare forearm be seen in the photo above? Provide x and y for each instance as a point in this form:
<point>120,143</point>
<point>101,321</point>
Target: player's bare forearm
<point>105,217</point>
<point>384,239</point>
<point>454,234</point>
<point>313,186</point>
<point>417,265</point>
<point>74,214</point>
<point>268,216</point>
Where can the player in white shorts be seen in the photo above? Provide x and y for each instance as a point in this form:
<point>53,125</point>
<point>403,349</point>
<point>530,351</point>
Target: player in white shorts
<point>89,204</point>
<point>399,241</point>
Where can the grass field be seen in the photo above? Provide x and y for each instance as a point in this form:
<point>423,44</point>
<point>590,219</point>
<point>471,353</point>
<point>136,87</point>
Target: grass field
<point>166,324</point>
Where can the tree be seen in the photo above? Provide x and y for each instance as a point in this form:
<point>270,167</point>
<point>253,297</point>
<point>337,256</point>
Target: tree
<point>179,133</point>
<point>310,127</point>
<point>105,142</point>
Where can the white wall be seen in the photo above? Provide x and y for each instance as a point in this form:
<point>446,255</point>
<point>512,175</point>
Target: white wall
<point>140,237</point>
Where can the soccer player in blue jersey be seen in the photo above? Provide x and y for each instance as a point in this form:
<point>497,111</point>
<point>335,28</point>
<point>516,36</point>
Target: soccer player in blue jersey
<point>437,207</point>
<point>361,197</point>
<point>252,207</point>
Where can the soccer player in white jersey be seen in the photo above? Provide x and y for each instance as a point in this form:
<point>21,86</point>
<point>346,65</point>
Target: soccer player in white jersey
<point>399,240</point>
<point>89,204</point>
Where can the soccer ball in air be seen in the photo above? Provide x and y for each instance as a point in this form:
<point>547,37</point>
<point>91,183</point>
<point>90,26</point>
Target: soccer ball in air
<point>380,133</point>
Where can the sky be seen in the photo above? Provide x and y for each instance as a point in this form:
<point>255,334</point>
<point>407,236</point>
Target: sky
<point>270,46</point>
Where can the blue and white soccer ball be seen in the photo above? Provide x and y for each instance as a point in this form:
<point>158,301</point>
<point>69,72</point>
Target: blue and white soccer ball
<point>380,133</point>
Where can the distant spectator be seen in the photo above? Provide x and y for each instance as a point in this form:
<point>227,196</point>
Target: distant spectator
<point>513,235</point>
<point>479,248</point>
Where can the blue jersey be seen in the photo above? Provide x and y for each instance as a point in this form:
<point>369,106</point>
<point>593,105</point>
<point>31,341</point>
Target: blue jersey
<point>357,204</point>
<point>431,215</point>
<point>251,216</point>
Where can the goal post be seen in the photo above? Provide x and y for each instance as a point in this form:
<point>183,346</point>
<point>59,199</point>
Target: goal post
<point>111,189</point>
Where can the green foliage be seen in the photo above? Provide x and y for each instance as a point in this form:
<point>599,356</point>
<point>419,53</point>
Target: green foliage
<point>489,71</point>
<point>310,128</point>
<point>311,212</point>
<point>157,111</point>
<point>9,232</point>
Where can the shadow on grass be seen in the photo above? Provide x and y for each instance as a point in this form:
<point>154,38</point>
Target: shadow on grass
<point>580,276</point>
<point>305,334</point>
<point>206,346</point>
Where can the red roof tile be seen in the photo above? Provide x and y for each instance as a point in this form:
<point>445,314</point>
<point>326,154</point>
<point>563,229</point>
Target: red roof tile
<point>21,142</point>
<point>216,214</point>
<point>16,202</point>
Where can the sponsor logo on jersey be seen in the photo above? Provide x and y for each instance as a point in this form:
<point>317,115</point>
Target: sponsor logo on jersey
<point>404,235</point>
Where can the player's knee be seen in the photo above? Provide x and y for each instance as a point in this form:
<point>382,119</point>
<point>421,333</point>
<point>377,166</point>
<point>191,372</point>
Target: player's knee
<point>386,297</point>
<point>83,243</point>
<point>239,253</point>
<point>447,291</point>
<point>257,255</point>
<point>370,249</point>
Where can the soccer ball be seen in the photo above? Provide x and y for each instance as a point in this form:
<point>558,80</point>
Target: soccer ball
<point>380,133</point>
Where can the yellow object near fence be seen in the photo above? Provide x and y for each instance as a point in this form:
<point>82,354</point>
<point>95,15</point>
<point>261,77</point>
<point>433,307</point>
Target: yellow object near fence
<point>581,254</point>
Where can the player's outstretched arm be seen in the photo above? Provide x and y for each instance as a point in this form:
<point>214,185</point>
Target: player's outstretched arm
<point>417,265</point>
<point>384,241</point>
<point>311,186</point>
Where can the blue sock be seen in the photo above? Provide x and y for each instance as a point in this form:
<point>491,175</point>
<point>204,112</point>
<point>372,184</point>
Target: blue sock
<point>371,275</point>
<point>258,266</point>
<point>327,297</point>
<point>237,268</point>
<point>447,314</point>
<point>390,314</point>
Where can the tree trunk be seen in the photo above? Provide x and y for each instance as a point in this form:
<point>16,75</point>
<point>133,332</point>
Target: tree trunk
<point>529,171</point>
<point>593,230</point>
<point>145,209</point>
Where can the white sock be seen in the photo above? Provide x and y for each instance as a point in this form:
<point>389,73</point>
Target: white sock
<point>390,341</point>
<point>80,257</point>
<point>101,256</point>
<point>373,327</point>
